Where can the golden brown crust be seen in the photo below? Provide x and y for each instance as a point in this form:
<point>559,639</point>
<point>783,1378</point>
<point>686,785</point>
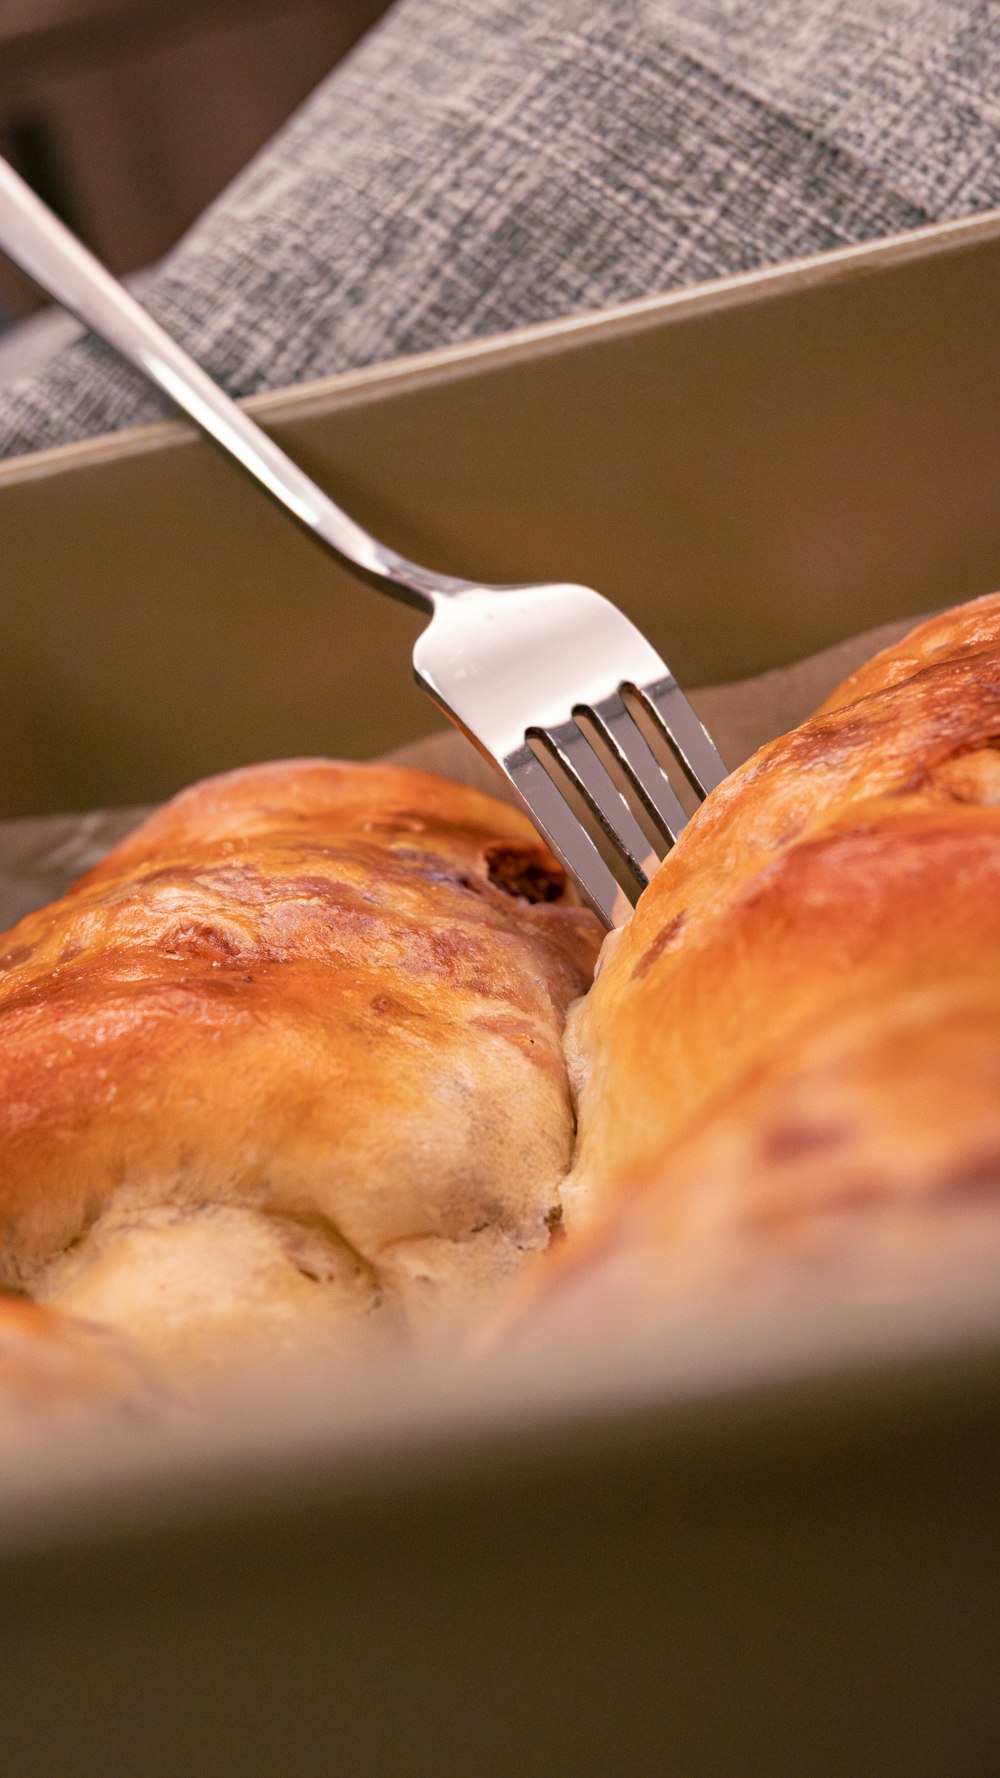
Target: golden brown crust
<point>288,1061</point>
<point>798,1036</point>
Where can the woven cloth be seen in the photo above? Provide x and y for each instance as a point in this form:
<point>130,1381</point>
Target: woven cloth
<point>478,164</point>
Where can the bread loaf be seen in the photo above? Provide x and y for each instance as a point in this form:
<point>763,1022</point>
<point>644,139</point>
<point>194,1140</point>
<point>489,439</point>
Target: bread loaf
<point>789,1066</point>
<point>283,1075</point>
<point>284,1072</point>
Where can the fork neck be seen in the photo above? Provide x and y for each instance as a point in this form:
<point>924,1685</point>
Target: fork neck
<point>373,561</point>
<point>414,585</point>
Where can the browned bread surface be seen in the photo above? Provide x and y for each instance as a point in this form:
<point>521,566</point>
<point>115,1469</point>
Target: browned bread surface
<point>792,1053</point>
<point>286,1068</point>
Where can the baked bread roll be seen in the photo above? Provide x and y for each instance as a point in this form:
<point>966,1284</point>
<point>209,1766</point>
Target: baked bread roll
<point>789,1066</point>
<point>284,1072</point>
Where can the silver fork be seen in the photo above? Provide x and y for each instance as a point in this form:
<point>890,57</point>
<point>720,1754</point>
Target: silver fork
<point>546,680</point>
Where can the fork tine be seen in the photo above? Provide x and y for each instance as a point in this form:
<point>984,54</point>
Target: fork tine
<point>685,732</point>
<point>634,754</point>
<point>588,772</point>
<point>569,841</point>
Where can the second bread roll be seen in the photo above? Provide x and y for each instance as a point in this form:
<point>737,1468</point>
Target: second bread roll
<point>789,1067</point>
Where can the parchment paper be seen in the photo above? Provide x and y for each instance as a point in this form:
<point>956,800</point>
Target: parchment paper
<point>40,857</point>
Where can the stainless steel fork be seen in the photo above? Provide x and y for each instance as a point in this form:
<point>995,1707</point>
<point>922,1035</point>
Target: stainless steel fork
<point>547,680</point>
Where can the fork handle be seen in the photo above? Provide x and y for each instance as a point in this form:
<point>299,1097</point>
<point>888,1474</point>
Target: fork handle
<point>52,256</point>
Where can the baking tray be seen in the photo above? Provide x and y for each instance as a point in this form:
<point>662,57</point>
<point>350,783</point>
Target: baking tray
<point>774,1550</point>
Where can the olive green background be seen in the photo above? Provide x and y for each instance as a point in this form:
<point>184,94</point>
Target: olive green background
<point>753,471</point>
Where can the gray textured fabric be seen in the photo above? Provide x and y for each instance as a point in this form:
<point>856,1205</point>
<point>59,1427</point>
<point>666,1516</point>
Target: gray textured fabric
<point>478,164</point>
